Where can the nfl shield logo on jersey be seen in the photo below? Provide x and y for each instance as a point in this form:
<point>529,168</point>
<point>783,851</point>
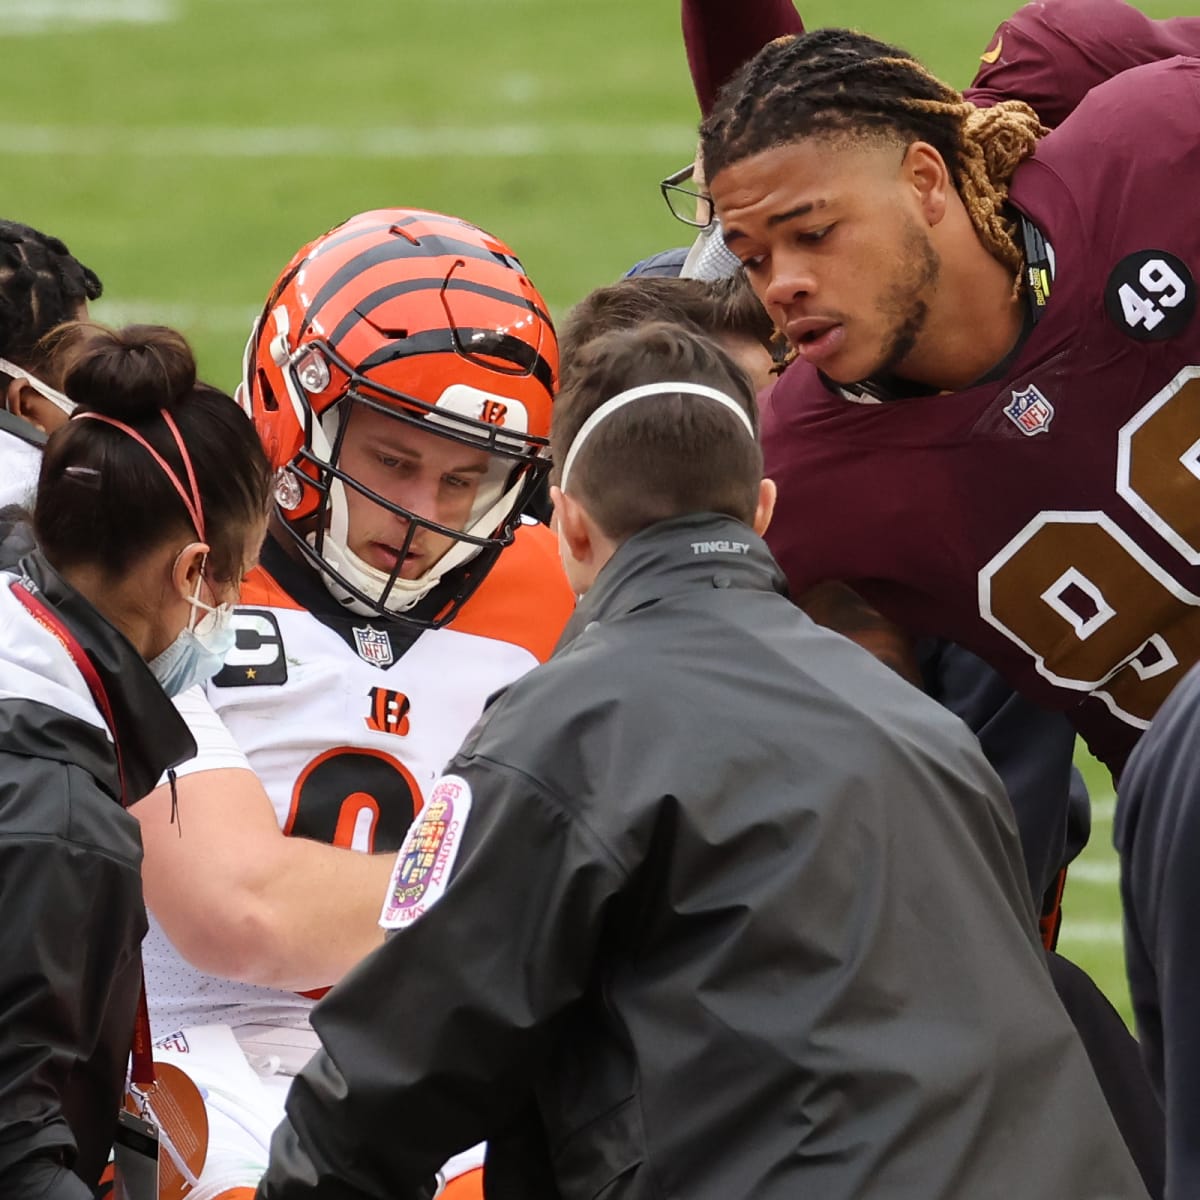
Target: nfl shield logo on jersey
<point>1029,411</point>
<point>374,646</point>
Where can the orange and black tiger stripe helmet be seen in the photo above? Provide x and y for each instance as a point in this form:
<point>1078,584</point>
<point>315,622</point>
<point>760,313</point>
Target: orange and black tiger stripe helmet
<point>431,320</point>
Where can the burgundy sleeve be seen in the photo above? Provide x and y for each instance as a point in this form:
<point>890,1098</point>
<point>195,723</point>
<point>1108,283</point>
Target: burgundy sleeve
<point>1052,54</point>
<point>721,35</point>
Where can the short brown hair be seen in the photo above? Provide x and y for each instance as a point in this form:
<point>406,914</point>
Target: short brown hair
<point>663,456</point>
<point>718,308</point>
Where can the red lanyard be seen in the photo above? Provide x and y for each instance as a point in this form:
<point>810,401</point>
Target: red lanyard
<point>142,1072</point>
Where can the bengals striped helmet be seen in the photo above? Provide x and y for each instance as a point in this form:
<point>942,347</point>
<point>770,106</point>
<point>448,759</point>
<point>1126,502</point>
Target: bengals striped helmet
<point>401,376</point>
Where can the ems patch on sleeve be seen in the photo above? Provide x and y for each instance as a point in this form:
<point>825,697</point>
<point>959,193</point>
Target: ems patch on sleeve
<point>426,859</point>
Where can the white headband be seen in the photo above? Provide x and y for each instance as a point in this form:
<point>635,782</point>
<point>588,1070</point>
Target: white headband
<point>647,389</point>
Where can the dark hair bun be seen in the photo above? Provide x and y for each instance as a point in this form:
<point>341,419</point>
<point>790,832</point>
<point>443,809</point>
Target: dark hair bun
<point>131,373</point>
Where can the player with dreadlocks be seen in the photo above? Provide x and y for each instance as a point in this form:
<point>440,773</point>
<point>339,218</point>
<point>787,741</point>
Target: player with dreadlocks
<point>990,442</point>
<point>837,90</point>
<point>1049,55</point>
<point>996,392</point>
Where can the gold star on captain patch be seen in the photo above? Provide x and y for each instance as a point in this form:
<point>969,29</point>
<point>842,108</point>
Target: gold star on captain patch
<point>251,673</point>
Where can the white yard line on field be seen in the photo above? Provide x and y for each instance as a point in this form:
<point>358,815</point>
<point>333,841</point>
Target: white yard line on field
<point>1103,806</point>
<point>1103,874</point>
<point>65,16</point>
<point>140,311</point>
<point>1090,932</point>
<point>320,141</point>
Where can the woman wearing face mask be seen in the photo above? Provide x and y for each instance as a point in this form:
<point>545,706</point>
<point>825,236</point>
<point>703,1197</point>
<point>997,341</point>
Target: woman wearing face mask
<point>150,508</point>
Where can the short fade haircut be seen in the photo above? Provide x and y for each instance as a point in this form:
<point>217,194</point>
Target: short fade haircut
<point>718,308</point>
<point>661,456</point>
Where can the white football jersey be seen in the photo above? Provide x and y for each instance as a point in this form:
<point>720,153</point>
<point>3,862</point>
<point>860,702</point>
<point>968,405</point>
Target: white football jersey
<point>347,729</point>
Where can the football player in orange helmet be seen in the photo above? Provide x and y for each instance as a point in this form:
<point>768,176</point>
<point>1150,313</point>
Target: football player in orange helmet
<point>426,332</point>
<point>401,377</point>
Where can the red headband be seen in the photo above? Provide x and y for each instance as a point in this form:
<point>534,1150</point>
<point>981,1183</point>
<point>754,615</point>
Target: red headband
<point>192,502</point>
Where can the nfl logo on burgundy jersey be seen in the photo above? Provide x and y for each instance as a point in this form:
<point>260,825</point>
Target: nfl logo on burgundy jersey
<point>373,646</point>
<point>1029,411</point>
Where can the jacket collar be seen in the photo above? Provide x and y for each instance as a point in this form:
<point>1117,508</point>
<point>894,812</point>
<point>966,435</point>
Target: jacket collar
<point>151,733</point>
<point>701,550</point>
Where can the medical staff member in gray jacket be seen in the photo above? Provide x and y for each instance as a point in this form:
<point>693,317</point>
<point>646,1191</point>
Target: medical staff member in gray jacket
<point>711,906</point>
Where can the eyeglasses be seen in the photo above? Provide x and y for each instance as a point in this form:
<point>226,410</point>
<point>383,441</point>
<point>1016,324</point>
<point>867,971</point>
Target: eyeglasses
<point>686,202</point>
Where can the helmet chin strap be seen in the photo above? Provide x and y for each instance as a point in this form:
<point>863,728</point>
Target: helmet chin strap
<point>404,593</point>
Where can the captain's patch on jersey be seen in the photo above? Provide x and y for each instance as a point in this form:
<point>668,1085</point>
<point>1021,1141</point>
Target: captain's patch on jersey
<point>1151,296</point>
<point>427,857</point>
<point>1030,411</point>
<point>257,657</point>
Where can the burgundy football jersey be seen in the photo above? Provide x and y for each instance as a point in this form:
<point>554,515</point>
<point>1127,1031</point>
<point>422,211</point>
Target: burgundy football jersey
<point>1049,55</point>
<point>1050,521</point>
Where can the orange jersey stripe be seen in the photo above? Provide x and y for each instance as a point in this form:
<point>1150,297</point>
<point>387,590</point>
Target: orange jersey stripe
<point>259,590</point>
<point>468,1186</point>
<point>526,599</point>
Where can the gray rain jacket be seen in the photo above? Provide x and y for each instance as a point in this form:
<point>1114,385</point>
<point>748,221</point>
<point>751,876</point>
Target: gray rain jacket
<point>736,912</point>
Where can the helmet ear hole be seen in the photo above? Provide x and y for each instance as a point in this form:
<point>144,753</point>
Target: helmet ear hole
<point>270,403</point>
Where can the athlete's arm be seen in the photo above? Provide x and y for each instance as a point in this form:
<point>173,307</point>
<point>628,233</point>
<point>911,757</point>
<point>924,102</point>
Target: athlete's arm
<point>721,35</point>
<point>843,610</point>
<point>1052,55</point>
<point>239,899</point>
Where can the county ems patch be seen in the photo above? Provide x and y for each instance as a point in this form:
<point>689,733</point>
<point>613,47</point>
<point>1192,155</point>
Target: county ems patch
<point>427,857</point>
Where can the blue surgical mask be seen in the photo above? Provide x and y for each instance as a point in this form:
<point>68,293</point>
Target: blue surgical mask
<point>199,651</point>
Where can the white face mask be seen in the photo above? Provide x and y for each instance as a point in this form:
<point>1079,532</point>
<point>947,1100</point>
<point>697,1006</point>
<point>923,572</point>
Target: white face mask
<point>55,397</point>
<point>199,651</point>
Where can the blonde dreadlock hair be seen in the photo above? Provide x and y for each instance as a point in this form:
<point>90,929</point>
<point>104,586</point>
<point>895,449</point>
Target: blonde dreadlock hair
<point>839,83</point>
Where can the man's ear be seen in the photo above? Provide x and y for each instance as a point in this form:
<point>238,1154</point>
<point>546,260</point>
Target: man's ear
<point>925,171</point>
<point>573,525</point>
<point>767,493</point>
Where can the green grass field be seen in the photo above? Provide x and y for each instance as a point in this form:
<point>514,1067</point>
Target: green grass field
<point>186,148</point>
<point>1091,931</point>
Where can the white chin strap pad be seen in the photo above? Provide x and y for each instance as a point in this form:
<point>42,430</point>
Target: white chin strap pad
<point>372,582</point>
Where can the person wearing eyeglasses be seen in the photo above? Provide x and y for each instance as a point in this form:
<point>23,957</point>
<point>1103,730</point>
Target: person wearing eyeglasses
<point>41,285</point>
<point>151,507</point>
<point>1049,55</point>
